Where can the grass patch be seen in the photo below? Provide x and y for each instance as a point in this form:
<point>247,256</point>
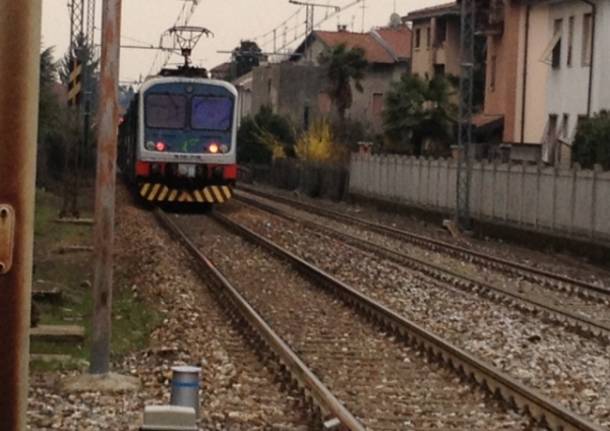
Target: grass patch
<point>132,319</point>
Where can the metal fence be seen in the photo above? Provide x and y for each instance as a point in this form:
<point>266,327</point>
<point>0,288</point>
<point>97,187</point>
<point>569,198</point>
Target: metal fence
<point>566,201</point>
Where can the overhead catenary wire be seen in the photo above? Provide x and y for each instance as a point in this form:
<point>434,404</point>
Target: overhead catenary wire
<point>298,35</point>
<point>184,16</point>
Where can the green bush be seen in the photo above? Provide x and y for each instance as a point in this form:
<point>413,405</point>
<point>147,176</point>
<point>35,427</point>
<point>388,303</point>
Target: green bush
<point>258,137</point>
<point>592,141</point>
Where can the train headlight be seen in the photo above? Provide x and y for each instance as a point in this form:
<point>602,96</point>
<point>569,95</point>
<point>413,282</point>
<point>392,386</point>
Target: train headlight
<point>213,148</point>
<point>224,148</point>
<point>150,145</point>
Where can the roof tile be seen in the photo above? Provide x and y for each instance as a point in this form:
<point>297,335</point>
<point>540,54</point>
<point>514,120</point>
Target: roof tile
<point>374,52</point>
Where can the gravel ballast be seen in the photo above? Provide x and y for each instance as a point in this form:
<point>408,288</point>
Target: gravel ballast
<point>559,263</point>
<point>380,379</point>
<point>239,392</point>
<point>563,365</point>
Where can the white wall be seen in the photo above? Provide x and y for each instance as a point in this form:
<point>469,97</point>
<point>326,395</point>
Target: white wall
<point>537,74</point>
<point>601,73</point>
<point>568,86</point>
<point>564,201</point>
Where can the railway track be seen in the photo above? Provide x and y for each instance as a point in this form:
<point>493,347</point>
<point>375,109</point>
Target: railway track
<point>516,269</point>
<point>585,316</point>
<point>375,370</point>
<point>320,401</point>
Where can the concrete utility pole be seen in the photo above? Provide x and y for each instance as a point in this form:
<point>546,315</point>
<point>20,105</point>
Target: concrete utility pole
<point>108,116</point>
<point>19,82</point>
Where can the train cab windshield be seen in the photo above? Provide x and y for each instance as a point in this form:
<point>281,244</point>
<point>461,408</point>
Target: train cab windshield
<point>212,113</point>
<point>166,111</point>
<point>208,113</point>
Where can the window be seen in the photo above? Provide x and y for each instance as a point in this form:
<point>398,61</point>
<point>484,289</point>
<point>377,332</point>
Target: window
<point>428,41</point>
<point>570,39</point>
<point>587,39</point>
<point>212,113</point>
<point>324,103</point>
<point>492,74</point>
<point>165,111</point>
<point>417,38</point>
<point>439,70</point>
<point>551,133</point>
<point>377,105</point>
<point>556,54</point>
<point>579,122</point>
<point>306,114</point>
<point>565,122</point>
<point>441,32</point>
<point>550,140</point>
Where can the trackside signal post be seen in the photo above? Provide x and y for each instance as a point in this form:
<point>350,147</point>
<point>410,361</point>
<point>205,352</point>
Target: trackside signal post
<point>75,85</point>
<point>19,82</point>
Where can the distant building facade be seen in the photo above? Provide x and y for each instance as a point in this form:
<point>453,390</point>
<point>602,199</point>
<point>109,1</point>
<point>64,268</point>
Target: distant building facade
<point>435,42</point>
<point>546,62</point>
<point>388,52</point>
<point>577,59</point>
<point>244,89</point>
<point>222,72</point>
<point>293,90</point>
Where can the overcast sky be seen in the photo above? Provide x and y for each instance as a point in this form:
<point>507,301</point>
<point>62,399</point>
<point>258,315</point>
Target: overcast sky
<point>230,20</point>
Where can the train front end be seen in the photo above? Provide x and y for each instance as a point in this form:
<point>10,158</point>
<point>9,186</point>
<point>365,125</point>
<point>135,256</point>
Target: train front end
<point>186,150</point>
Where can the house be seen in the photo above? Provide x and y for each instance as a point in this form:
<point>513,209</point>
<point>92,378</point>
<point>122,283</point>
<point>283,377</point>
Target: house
<point>576,37</point>
<point>388,52</point>
<point>222,72</point>
<point>293,90</point>
<point>243,84</point>
<point>542,76</point>
<point>436,40</point>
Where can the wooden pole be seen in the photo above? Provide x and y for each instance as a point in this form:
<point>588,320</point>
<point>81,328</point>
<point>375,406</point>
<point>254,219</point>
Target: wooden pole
<point>105,187</point>
<point>19,82</point>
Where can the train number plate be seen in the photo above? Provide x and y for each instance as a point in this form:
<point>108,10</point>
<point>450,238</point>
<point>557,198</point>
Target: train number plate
<point>188,171</point>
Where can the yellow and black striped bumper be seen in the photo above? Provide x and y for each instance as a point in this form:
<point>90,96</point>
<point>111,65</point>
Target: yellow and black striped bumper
<point>210,194</point>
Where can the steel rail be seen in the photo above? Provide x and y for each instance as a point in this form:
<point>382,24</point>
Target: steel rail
<point>530,273</point>
<point>297,367</point>
<point>565,317</point>
<point>513,392</point>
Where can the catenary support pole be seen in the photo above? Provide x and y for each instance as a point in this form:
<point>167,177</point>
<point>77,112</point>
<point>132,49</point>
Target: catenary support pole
<point>105,186</point>
<point>19,82</point>
<point>464,169</point>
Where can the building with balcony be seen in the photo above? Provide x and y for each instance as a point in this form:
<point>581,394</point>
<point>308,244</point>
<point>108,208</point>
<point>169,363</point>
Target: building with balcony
<point>546,62</point>
<point>435,42</point>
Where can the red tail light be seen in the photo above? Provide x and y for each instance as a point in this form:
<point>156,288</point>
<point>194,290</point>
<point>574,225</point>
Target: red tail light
<point>160,146</point>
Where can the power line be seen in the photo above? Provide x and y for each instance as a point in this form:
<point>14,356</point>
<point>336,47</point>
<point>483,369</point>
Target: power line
<point>317,24</point>
<point>183,19</point>
<point>279,26</point>
<point>270,38</point>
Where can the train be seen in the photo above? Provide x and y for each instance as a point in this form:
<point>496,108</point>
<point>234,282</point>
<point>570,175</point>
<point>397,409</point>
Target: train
<point>177,140</point>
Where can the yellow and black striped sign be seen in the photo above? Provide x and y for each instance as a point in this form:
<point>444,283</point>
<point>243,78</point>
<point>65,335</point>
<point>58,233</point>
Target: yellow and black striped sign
<point>74,85</point>
<point>160,193</point>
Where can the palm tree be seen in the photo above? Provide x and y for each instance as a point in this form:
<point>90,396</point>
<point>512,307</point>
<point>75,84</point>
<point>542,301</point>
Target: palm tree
<point>344,66</point>
<point>416,110</point>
